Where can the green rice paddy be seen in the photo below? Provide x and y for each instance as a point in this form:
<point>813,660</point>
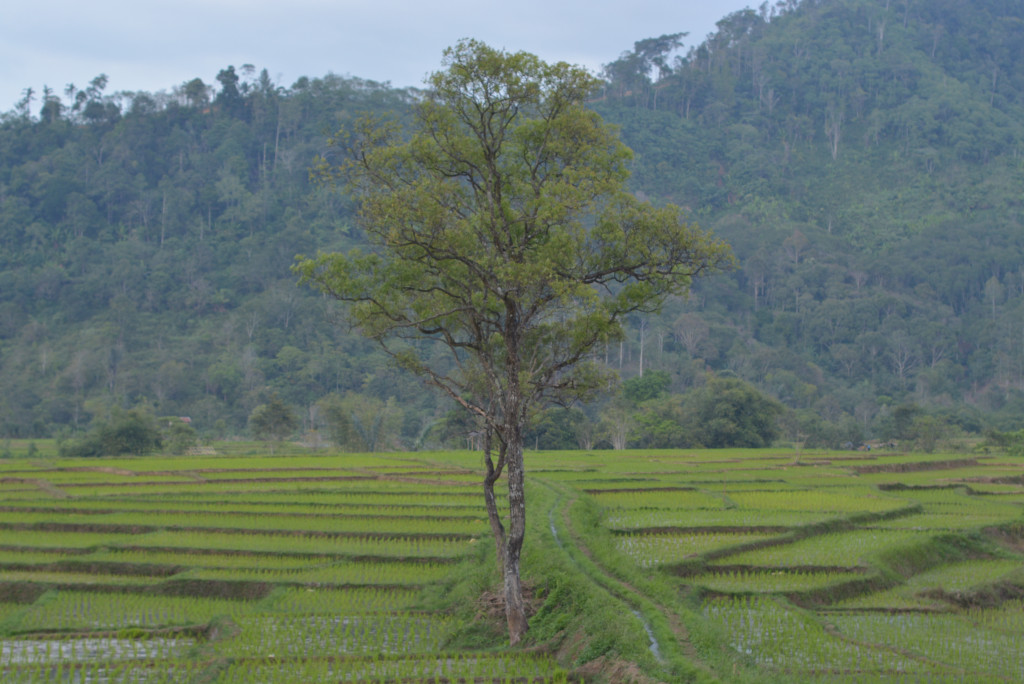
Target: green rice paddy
<point>842,567</point>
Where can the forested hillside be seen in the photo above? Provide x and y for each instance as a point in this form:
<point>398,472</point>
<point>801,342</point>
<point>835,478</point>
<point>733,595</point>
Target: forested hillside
<point>146,245</point>
<point>863,157</point>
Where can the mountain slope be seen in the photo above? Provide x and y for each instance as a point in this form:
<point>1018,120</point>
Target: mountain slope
<point>863,157</point>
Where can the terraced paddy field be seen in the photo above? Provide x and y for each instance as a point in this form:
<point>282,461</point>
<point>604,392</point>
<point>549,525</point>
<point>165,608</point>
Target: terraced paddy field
<point>241,569</point>
<point>745,566</point>
<point>844,567</point>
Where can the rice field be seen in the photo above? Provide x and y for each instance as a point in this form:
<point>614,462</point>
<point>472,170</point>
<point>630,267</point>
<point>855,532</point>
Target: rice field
<point>837,567</point>
<point>853,548</point>
<point>239,569</point>
<point>650,550</point>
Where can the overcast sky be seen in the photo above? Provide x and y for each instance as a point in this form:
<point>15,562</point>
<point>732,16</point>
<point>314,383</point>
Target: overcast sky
<point>154,45</point>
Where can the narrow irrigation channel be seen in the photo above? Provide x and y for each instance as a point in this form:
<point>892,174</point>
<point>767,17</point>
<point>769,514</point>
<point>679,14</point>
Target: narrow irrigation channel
<point>654,646</point>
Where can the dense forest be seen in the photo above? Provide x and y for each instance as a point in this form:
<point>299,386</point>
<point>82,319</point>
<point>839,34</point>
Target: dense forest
<point>862,157</point>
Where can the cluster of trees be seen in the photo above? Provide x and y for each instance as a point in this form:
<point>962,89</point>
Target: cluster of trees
<point>861,157</point>
<point>135,431</point>
<point>723,412</point>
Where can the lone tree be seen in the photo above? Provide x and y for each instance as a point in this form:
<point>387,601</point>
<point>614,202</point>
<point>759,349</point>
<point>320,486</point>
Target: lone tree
<point>502,229</point>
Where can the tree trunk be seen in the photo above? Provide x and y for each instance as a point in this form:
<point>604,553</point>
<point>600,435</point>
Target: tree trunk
<point>493,473</point>
<point>511,437</point>
<point>515,609</point>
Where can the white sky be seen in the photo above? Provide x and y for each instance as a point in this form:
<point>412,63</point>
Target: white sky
<point>154,45</point>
